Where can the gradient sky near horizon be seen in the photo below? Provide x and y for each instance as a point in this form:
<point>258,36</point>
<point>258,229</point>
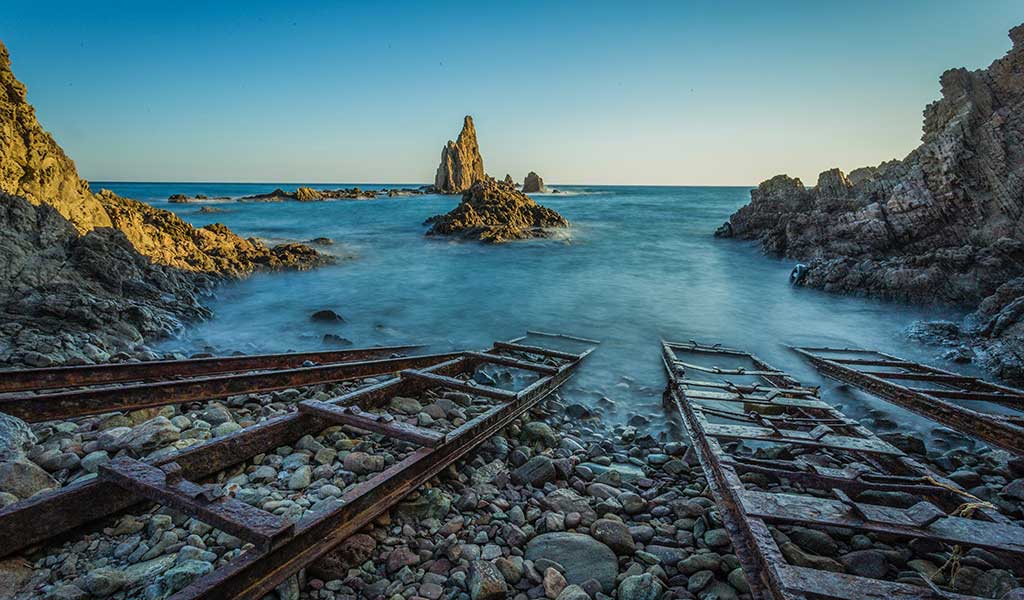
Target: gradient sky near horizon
<point>687,93</point>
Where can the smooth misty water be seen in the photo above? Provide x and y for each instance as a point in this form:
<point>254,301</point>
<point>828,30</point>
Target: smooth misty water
<point>639,264</point>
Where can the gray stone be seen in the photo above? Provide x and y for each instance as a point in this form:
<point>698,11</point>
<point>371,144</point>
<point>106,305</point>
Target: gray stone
<point>24,479</point>
<point>152,434</point>
<point>566,501</point>
<point>580,555</point>
<point>301,478</point>
<point>615,535</point>
<point>104,581</point>
<point>536,472</point>
<point>573,592</point>
<point>866,563</point>
<point>485,581</point>
<point>641,587</point>
<point>16,438</point>
<point>541,433</point>
<point>363,463</point>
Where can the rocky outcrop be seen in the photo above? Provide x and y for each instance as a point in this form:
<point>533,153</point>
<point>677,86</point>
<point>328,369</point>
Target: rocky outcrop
<point>494,211</point>
<point>941,225</point>
<point>533,184</point>
<point>84,273</point>
<point>461,164</point>
<point>508,179</point>
<point>307,194</point>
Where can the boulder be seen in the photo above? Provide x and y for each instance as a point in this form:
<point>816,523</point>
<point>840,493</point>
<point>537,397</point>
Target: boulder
<point>581,556</point>
<point>536,472</point>
<point>16,438</point>
<point>24,479</point>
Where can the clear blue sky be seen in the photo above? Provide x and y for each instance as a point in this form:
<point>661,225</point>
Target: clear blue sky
<point>589,92</point>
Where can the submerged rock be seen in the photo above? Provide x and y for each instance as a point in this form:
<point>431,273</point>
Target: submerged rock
<point>461,164</point>
<point>493,211</point>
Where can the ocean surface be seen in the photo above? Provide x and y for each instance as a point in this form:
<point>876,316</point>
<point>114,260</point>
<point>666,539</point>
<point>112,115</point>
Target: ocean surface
<point>638,265</point>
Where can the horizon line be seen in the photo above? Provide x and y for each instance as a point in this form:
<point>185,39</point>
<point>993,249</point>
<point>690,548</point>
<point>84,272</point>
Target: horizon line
<point>406,183</point>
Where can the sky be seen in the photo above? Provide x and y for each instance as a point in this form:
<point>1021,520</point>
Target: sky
<point>658,93</point>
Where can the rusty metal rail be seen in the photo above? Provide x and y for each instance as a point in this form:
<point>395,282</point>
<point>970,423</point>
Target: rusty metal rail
<point>33,407</point>
<point>825,462</point>
<point>82,375</point>
<point>941,403</point>
<point>281,548</point>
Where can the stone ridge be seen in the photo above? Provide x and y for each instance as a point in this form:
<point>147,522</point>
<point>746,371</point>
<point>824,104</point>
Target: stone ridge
<point>495,211</point>
<point>942,225</point>
<point>461,163</point>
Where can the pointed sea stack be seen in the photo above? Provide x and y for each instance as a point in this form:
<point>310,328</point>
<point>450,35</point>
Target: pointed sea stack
<point>533,184</point>
<point>461,163</point>
<point>495,211</point>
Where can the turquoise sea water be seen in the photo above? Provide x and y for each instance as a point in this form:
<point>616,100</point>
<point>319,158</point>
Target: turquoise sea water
<point>639,264</point>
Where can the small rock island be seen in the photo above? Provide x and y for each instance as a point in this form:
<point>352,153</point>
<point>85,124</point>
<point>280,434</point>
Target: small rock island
<point>495,211</point>
<point>461,163</point>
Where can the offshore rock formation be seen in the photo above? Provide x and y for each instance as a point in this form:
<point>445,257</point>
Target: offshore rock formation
<point>461,164</point>
<point>81,270</point>
<point>533,184</point>
<point>495,211</point>
<point>307,194</point>
<point>508,179</point>
<point>941,225</point>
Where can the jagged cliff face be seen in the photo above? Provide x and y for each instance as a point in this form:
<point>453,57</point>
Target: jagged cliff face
<point>461,163</point>
<point>495,211</point>
<point>941,225</point>
<point>33,166</point>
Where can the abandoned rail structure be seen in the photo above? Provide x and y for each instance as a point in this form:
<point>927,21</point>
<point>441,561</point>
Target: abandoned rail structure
<point>35,394</point>
<point>934,393</point>
<point>281,547</point>
<point>796,460</point>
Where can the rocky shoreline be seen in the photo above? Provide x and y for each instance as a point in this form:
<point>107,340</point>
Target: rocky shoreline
<point>495,211</point>
<point>560,505</point>
<point>940,226</point>
<point>88,276</point>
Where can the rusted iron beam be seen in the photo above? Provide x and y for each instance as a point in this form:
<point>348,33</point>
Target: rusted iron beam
<point>253,575</point>
<point>573,338</point>
<point>66,405</point>
<point>994,397</point>
<point>166,486</point>
<point>460,385</point>
<point>745,514</point>
<point>55,512</point>
<point>508,361</point>
<point>62,377</point>
<point>990,428</point>
<point>535,350</point>
<point>354,417</point>
<point>800,438</point>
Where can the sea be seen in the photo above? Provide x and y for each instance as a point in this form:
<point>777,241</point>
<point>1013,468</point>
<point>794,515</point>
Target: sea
<point>639,264</point>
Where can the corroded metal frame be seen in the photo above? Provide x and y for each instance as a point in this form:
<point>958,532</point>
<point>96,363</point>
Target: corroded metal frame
<point>283,548</point>
<point>940,405</point>
<point>746,514</point>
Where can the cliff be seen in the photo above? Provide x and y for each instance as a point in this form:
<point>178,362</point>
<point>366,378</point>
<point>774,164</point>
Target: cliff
<point>83,274</point>
<point>941,225</point>
<point>495,211</point>
<point>461,163</point>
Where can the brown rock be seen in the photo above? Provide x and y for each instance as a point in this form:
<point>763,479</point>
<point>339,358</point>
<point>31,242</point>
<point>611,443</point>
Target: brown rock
<point>493,211</point>
<point>461,164</point>
<point>533,184</point>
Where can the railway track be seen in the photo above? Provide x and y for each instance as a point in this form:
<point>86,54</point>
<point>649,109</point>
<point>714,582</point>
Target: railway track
<point>776,456</point>
<point>933,393</point>
<point>278,547</point>
<point>35,395</point>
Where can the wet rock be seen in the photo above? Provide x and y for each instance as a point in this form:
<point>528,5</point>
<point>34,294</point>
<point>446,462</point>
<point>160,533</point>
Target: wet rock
<point>401,557</point>
<point>495,212</point>
<point>573,592</point>
<point>566,501</point>
<point>485,582</point>
<point>429,504</point>
<point>536,472</point>
<point>104,581</point>
<point>150,435</point>
<point>539,432</point>
<point>582,557</point>
<point>815,541</point>
<point>327,316</point>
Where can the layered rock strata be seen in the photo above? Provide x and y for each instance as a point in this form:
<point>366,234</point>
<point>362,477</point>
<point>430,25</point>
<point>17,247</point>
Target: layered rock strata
<point>941,225</point>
